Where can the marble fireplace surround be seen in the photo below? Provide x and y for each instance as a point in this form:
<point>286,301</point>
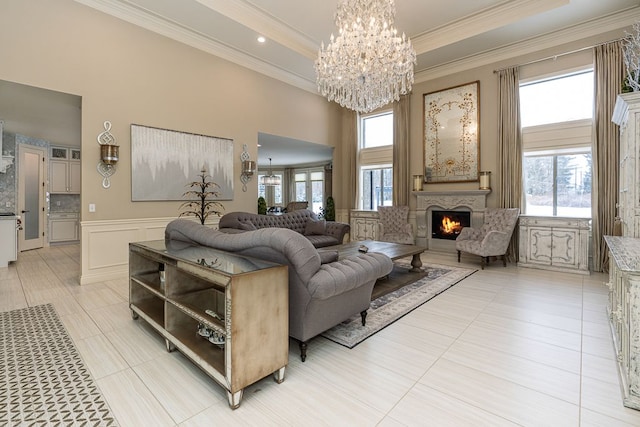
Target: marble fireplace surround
<point>474,201</point>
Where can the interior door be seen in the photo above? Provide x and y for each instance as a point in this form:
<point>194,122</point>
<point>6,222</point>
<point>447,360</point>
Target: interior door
<point>31,196</point>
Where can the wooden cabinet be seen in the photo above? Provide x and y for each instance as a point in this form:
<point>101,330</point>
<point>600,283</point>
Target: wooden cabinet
<point>627,115</point>
<point>364,225</point>
<point>554,243</point>
<point>187,292</point>
<point>64,170</point>
<point>63,227</point>
<point>624,313</point>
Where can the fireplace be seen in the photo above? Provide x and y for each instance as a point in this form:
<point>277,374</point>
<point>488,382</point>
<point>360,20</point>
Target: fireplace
<point>448,224</point>
<point>471,203</point>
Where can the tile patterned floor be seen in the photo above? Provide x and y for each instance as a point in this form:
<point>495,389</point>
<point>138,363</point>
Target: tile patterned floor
<point>505,347</point>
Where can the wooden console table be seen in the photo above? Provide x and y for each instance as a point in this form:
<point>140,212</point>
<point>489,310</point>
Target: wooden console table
<point>186,291</point>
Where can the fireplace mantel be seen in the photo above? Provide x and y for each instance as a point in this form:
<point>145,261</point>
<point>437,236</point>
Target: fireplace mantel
<point>474,201</point>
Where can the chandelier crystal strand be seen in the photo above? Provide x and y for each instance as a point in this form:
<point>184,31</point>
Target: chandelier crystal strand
<point>367,65</point>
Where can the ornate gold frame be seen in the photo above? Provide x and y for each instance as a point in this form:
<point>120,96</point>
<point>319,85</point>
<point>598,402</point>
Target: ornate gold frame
<point>452,134</point>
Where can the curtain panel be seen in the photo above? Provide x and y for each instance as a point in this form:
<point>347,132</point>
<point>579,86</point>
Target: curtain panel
<point>401,173</point>
<point>509,148</point>
<point>609,75</point>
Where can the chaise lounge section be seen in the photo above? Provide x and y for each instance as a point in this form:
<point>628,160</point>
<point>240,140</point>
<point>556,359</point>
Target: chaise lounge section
<point>319,232</point>
<point>322,290</point>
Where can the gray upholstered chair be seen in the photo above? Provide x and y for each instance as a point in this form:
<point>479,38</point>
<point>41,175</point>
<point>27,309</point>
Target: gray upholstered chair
<point>393,225</point>
<point>296,206</point>
<point>492,239</point>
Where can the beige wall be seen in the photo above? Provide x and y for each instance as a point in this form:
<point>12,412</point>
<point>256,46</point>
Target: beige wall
<point>127,75</point>
<point>488,104</point>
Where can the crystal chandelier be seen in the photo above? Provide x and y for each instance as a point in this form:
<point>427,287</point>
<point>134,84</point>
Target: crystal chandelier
<point>270,179</point>
<point>367,65</point>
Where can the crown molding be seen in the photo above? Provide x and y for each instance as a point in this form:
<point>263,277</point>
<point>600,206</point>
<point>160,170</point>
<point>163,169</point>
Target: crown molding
<point>267,25</point>
<point>151,22</point>
<point>589,29</point>
<point>159,25</point>
<point>486,20</point>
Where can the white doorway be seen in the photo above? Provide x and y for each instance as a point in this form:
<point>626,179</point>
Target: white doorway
<point>31,196</point>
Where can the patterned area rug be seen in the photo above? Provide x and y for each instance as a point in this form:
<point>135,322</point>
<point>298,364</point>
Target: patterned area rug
<point>43,380</point>
<point>392,306</point>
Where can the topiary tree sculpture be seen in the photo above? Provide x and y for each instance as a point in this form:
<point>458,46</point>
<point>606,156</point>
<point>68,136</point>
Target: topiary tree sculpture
<point>202,207</point>
<point>330,210</point>
<point>262,206</point>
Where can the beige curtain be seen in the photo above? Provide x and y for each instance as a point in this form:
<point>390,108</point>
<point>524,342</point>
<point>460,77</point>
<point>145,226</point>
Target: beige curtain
<point>349,151</point>
<point>609,75</point>
<point>509,148</point>
<point>401,173</point>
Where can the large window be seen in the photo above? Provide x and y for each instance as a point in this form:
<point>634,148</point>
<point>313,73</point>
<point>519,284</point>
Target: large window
<point>309,187</point>
<point>557,130</point>
<point>558,184</point>
<point>375,158</point>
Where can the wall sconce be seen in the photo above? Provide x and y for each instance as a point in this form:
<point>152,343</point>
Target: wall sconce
<point>108,154</point>
<point>248,168</point>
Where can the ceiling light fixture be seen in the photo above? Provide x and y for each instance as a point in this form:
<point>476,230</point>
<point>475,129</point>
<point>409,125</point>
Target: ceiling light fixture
<point>261,39</point>
<point>367,65</point>
<point>270,179</point>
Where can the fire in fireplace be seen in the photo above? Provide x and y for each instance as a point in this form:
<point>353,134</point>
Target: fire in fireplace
<point>448,224</point>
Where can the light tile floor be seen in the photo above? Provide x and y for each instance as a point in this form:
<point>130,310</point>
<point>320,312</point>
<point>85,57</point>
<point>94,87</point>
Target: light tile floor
<point>504,347</point>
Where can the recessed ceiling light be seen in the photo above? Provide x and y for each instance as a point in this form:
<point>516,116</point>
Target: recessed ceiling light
<point>261,39</point>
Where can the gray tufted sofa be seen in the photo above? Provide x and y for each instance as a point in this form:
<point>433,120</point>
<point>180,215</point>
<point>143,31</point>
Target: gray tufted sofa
<point>322,292</point>
<point>304,221</point>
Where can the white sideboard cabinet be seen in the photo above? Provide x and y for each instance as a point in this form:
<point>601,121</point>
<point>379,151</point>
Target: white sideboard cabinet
<point>627,115</point>
<point>364,225</point>
<point>624,313</point>
<point>554,243</point>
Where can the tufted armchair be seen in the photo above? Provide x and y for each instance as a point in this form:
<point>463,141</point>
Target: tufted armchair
<point>296,206</point>
<point>394,226</point>
<point>492,239</point>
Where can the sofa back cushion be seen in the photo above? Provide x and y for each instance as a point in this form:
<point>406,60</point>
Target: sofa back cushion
<point>296,221</point>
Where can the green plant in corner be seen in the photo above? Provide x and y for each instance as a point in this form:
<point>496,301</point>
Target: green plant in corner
<point>330,210</point>
<point>202,207</point>
<point>262,206</point>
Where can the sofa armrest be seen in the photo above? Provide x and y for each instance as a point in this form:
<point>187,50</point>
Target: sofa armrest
<point>350,273</point>
<point>337,230</point>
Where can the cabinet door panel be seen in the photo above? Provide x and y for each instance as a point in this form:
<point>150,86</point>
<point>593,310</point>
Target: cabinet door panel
<point>74,177</point>
<point>58,176</point>
<point>564,247</point>
<point>539,245</point>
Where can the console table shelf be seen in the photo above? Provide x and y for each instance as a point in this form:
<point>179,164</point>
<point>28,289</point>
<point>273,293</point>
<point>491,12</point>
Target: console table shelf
<point>182,290</point>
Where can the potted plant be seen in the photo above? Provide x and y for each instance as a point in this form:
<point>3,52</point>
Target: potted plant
<point>330,210</point>
<point>262,206</point>
<point>203,206</point>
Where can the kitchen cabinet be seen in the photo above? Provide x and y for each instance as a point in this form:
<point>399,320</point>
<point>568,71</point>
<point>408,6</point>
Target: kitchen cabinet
<point>364,225</point>
<point>227,313</point>
<point>64,170</point>
<point>554,243</point>
<point>63,227</point>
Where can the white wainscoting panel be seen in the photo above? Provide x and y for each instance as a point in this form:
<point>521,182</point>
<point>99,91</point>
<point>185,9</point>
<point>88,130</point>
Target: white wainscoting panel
<point>105,245</point>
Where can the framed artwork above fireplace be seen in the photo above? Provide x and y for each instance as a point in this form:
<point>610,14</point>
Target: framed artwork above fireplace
<point>452,134</point>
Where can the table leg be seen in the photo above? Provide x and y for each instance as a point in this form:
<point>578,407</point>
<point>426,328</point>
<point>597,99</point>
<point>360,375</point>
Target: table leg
<point>416,263</point>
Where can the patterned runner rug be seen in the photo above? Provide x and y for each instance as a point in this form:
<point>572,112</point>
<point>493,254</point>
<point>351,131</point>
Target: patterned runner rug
<point>390,307</point>
<point>43,380</point>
